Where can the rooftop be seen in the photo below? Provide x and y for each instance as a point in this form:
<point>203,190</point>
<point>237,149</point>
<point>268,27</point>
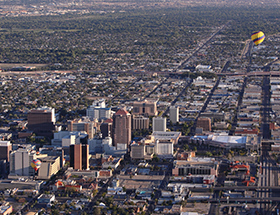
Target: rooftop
<point>5,143</point>
<point>121,112</point>
<point>49,159</point>
<point>166,135</point>
<point>3,209</point>
<point>229,139</point>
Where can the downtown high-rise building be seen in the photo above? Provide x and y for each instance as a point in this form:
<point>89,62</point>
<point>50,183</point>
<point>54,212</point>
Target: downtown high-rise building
<point>84,124</point>
<point>20,161</point>
<point>79,156</point>
<point>5,149</point>
<point>42,121</point>
<point>99,111</point>
<point>121,127</point>
<point>174,114</point>
<point>106,128</point>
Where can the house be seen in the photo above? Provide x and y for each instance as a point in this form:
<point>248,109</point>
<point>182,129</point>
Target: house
<point>46,198</point>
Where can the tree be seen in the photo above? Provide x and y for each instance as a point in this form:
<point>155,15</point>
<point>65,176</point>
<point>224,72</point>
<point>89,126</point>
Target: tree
<point>186,147</point>
<point>171,124</point>
<point>97,211</point>
<point>94,192</point>
<point>103,194</point>
<point>155,159</point>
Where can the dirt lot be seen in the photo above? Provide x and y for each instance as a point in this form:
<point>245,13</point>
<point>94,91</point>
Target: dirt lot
<point>201,208</point>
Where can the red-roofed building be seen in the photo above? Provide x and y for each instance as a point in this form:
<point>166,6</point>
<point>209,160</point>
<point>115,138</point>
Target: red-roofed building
<point>241,167</point>
<point>247,131</point>
<point>121,127</point>
<point>250,181</point>
<point>74,187</point>
<point>109,121</point>
<point>185,156</point>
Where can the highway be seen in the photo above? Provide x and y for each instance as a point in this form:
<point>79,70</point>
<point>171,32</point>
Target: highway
<point>268,170</point>
<point>262,200</point>
<point>266,108</point>
<point>267,187</point>
<point>265,177</point>
<point>235,188</point>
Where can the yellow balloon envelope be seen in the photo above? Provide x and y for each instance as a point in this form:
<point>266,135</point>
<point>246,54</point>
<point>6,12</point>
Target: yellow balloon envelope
<point>258,37</point>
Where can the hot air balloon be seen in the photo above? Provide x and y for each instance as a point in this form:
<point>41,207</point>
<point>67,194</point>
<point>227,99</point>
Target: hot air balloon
<point>35,164</point>
<point>258,37</point>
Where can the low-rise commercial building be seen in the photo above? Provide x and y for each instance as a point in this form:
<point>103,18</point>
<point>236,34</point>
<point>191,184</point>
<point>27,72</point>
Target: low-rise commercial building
<point>196,166</point>
<point>146,108</point>
<point>46,198</point>
<point>6,209</point>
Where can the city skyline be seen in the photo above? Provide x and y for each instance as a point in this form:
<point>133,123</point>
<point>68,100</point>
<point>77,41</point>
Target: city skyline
<point>139,108</point>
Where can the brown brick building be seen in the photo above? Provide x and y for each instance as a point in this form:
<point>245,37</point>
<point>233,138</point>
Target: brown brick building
<point>79,156</point>
<point>146,108</point>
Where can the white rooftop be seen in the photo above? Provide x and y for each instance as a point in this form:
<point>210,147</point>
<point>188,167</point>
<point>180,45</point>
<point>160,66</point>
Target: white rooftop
<point>5,143</point>
<point>229,139</point>
<point>166,135</point>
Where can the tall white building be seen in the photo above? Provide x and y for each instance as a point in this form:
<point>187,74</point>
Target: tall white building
<point>98,110</point>
<point>20,161</point>
<point>159,124</point>
<point>174,114</point>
